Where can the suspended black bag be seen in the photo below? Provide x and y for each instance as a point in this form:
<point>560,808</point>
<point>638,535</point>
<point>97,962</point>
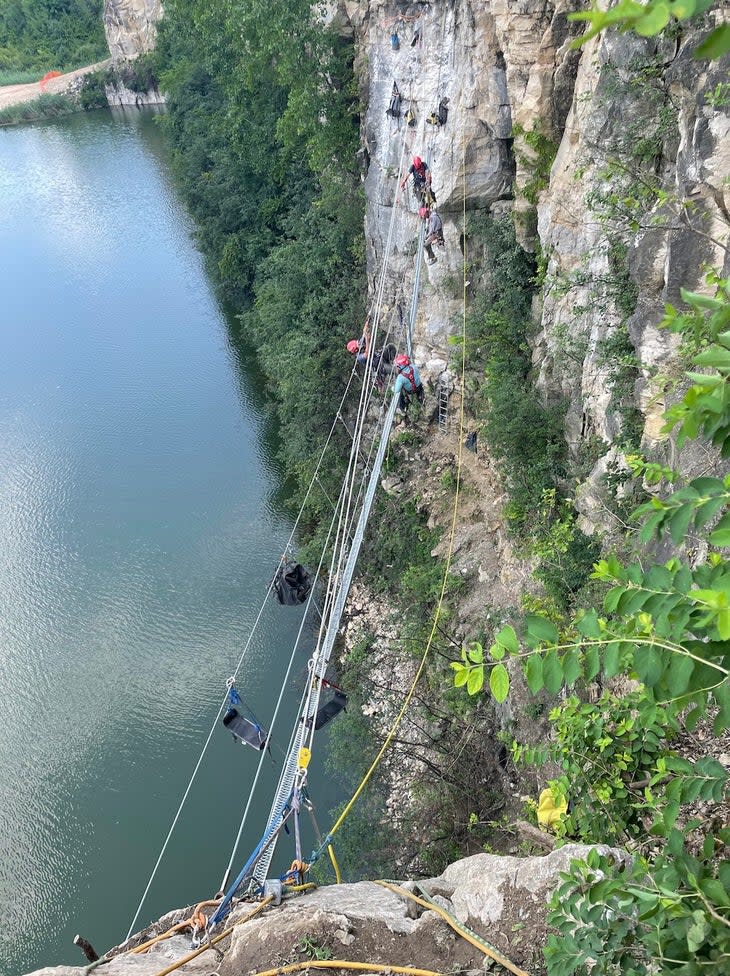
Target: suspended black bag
<point>292,584</point>
<point>326,712</point>
<point>395,100</point>
<point>245,731</point>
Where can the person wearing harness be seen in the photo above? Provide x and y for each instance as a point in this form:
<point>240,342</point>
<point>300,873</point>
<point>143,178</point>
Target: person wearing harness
<point>359,347</point>
<point>434,235</point>
<point>421,177</point>
<point>407,384</point>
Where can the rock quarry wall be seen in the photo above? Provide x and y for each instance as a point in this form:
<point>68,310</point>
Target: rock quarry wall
<point>557,137</point>
<point>130,26</point>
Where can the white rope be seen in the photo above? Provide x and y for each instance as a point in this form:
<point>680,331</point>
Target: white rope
<point>241,658</point>
<point>276,711</point>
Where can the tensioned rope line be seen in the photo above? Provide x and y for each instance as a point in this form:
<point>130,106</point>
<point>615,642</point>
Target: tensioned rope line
<point>239,664</point>
<point>344,585</point>
<point>393,729</point>
<point>347,516</point>
<point>278,703</point>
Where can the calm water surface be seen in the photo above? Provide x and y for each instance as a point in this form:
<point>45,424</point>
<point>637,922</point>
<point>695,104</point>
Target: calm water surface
<point>138,531</point>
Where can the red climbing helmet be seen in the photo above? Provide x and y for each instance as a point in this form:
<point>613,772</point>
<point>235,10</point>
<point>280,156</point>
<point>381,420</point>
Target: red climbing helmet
<point>423,212</point>
<point>353,346</point>
<point>402,361</point>
<point>417,162</point>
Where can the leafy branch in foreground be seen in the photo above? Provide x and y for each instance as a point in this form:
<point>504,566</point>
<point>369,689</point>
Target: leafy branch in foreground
<point>650,18</point>
<point>664,628</point>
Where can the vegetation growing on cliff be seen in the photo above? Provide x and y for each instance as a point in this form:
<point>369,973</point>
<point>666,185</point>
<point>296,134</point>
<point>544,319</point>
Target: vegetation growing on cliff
<point>665,629</point>
<point>45,35</point>
<point>263,114</point>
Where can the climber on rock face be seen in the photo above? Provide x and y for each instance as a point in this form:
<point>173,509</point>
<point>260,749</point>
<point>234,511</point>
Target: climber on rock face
<point>359,347</point>
<point>407,384</point>
<point>421,177</point>
<point>434,232</point>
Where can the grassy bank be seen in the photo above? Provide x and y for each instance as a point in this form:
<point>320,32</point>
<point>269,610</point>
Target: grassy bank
<point>43,107</point>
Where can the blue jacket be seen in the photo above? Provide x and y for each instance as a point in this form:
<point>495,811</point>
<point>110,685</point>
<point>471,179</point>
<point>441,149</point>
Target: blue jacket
<point>403,381</point>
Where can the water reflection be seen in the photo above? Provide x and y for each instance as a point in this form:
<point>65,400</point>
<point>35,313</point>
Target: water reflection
<point>139,527</point>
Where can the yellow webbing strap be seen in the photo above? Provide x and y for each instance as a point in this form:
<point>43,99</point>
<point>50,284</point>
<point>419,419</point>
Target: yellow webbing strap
<point>458,927</point>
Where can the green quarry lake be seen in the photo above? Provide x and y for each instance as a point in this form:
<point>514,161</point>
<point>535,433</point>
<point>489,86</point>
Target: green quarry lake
<point>141,520</point>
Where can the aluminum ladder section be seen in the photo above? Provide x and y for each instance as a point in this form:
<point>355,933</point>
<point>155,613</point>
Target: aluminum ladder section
<point>443,405</point>
<point>289,772</point>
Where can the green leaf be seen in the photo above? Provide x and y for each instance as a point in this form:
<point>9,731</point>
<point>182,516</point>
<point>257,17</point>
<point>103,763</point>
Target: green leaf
<point>461,677</point>
<point>715,891</point>
<point>708,486</point>
<point>654,21</point>
<point>723,624</point>
<point>541,629</point>
<point>717,44</point>
<point>678,674</point>
<point>592,661</point>
<point>715,356</point>
<point>475,681</point>
<point>552,672</point>
<point>679,523</point>
<point>533,672</point>
<point>612,661</point>
<point>682,9</point>
<point>720,538</point>
<point>499,682</point>
<point>508,639</point>
<point>696,931</point>
<point>696,300</point>
<point>649,665</point>
<point>708,510</point>
<point>588,624</point>
<point>496,652</point>
<point>571,667</point>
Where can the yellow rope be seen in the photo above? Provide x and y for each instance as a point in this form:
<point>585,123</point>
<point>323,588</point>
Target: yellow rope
<point>437,612</point>
<point>335,865</point>
<point>211,942</point>
<point>457,927</point>
<point>371,967</point>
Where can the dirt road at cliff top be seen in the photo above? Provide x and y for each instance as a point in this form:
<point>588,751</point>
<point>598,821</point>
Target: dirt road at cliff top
<point>15,94</point>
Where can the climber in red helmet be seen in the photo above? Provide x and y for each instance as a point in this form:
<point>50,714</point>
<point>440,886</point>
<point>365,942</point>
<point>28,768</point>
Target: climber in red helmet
<point>408,383</point>
<point>421,178</point>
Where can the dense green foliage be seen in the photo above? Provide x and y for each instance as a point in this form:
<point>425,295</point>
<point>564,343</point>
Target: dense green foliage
<point>263,114</point>
<point>524,433</point>
<point>667,627</point>
<point>651,17</point>
<point>45,35</point>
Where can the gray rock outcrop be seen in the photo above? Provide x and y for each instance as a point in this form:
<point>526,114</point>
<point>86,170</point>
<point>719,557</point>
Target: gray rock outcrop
<point>502,899</point>
<point>566,141</point>
<point>130,26</point>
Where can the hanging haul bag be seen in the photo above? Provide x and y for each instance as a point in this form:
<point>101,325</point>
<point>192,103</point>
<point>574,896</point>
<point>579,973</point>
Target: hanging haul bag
<point>326,712</point>
<point>292,584</point>
<point>245,731</point>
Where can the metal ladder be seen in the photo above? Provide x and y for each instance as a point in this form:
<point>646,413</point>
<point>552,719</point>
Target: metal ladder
<point>443,404</point>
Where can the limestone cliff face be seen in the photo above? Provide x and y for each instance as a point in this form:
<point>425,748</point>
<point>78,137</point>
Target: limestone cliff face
<point>130,26</point>
<point>616,119</point>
